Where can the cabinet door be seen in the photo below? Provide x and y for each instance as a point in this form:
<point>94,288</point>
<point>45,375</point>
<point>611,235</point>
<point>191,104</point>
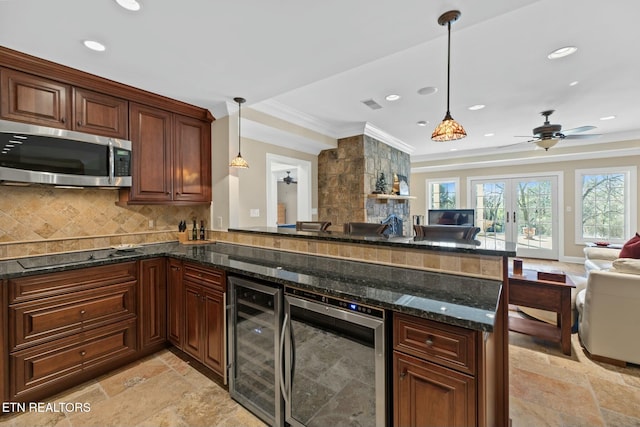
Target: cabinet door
<point>152,314</point>
<point>36,100</point>
<point>192,343</point>
<point>152,161</point>
<point>213,319</point>
<point>426,394</point>
<point>192,160</point>
<point>100,114</point>
<point>175,303</point>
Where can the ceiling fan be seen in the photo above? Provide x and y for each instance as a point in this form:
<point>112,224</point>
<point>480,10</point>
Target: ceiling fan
<point>547,135</point>
<point>289,179</point>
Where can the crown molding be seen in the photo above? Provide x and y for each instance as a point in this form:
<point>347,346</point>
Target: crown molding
<point>291,115</point>
<point>270,135</point>
<point>380,135</point>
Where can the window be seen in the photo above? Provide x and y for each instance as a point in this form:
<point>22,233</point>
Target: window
<point>443,193</point>
<point>604,200</point>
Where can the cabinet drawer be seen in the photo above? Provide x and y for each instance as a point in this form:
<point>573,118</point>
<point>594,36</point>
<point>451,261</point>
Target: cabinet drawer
<point>210,277</point>
<point>447,345</point>
<point>50,318</point>
<point>43,365</point>
<point>44,285</point>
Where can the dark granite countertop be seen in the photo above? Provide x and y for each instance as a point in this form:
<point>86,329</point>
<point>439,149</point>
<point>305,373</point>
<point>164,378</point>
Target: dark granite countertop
<point>458,300</point>
<point>507,249</point>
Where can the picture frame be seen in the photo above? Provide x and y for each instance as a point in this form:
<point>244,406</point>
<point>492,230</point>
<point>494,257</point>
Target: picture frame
<point>403,185</point>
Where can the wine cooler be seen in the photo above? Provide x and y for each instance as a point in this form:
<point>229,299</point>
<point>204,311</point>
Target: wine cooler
<point>254,324</point>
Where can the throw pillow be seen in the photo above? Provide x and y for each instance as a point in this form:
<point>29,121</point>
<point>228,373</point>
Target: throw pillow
<point>631,249</point>
<point>626,265</point>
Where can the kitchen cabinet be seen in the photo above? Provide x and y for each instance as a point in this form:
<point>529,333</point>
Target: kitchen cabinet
<point>42,101</point>
<point>204,303</point>
<point>33,99</point>
<point>67,327</point>
<point>436,374</point>
<point>172,161</point>
<point>175,303</point>
<point>152,308</point>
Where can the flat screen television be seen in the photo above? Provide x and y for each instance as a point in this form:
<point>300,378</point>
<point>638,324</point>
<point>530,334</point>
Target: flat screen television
<point>451,217</point>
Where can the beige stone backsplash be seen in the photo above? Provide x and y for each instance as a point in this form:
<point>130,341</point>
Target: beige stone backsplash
<point>45,220</point>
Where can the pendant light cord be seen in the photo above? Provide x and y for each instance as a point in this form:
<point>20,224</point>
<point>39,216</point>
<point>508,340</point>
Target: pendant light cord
<point>448,63</point>
<point>239,121</point>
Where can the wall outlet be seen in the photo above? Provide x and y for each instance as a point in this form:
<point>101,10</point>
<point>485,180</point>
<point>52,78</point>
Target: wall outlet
<point>219,223</point>
<point>151,224</point>
<point>254,213</point>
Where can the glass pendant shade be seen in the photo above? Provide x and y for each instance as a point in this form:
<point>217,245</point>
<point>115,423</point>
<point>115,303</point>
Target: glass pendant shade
<point>547,143</point>
<point>238,161</point>
<point>448,130</point>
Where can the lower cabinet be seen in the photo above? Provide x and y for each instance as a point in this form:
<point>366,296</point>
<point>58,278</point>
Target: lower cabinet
<point>439,377</point>
<point>175,303</point>
<point>204,308</point>
<point>152,304</point>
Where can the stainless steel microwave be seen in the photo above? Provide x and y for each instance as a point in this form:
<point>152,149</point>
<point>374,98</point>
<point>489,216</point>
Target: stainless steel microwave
<point>43,155</point>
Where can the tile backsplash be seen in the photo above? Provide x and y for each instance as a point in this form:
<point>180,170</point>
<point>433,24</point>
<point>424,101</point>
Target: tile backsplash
<point>43,220</point>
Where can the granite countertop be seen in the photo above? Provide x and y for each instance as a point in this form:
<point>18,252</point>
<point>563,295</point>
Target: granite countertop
<point>457,300</point>
<point>491,248</point>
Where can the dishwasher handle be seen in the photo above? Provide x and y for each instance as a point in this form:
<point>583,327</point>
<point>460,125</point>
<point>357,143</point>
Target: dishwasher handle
<point>283,388</point>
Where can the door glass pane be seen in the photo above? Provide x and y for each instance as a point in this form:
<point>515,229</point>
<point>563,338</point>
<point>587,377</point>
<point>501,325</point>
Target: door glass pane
<point>490,213</point>
<point>534,214</point>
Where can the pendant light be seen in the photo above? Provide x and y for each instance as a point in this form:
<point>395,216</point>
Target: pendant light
<point>239,162</point>
<point>449,129</point>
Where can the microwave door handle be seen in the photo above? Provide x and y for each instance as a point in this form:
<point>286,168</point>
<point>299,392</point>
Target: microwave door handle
<point>283,388</point>
<point>112,162</point>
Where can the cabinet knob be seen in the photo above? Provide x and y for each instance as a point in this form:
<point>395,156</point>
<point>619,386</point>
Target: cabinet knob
<point>79,123</point>
<point>429,341</point>
<point>83,312</point>
<point>83,353</point>
<point>62,119</point>
<point>403,374</point>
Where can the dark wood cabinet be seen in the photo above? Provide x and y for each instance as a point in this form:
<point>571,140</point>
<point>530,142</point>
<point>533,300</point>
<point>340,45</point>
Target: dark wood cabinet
<point>204,337</point>
<point>172,161</point>
<point>440,374</point>
<point>67,327</point>
<point>100,114</point>
<point>175,303</point>
<point>152,309</point>
<point>33,99</point>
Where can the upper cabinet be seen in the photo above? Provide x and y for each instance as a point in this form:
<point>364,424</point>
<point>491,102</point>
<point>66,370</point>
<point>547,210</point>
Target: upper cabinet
<point>36,100</point>
<point>171,139</point>
<point>41,101</point>
<point>172,158</point>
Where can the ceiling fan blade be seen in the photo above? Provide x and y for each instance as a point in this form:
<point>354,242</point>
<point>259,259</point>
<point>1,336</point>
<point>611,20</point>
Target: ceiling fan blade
<point>578,130</point>
<point>524,136</point>
<point>589,136</point>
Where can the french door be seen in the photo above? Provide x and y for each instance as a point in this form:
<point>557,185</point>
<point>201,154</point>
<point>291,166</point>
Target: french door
<point>522,210</point>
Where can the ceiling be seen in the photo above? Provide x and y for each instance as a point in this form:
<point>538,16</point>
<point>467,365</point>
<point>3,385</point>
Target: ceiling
<point>316,61</point>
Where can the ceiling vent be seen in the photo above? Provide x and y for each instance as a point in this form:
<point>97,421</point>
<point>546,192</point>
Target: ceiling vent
<point>372,104</point>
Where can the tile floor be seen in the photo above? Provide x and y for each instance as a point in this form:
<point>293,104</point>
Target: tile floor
<point>547,388</point>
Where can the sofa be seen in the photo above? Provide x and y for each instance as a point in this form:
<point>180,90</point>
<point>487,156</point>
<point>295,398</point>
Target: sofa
<point>608,312</point>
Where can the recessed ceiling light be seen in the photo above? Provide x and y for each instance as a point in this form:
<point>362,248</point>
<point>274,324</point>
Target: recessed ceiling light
<point>129,4</point>
<point>489,134</point>
<point>94,45</point>
<point>573,83</point>
<point>608,118</point>
<point>477,107</point>
<point>428,90</point>
<point>453,149</point>
<point>562,52</point>
<point>422,123</point>
<point>392,97</point>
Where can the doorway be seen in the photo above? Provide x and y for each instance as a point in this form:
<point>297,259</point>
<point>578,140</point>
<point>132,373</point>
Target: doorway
<point>297,196</point>
<point>520,209</point>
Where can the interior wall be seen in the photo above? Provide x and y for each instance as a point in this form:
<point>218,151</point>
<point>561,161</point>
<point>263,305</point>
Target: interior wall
<point>568,168</point>
<point>288,195</point>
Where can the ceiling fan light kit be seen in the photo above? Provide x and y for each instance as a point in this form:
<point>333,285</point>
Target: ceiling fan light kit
<point>239,162</point>
<point>449,129</point>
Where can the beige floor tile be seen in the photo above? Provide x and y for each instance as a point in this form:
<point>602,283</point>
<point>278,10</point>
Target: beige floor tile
<point>616,397</point>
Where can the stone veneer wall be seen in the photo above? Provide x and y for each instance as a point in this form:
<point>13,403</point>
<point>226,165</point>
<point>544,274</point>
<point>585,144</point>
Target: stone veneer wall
<point>482,266</point>
<point>348,174</point>
<point>45,220</point>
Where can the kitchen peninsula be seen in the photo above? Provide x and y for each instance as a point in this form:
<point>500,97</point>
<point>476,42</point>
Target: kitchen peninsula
<point>460,304</point>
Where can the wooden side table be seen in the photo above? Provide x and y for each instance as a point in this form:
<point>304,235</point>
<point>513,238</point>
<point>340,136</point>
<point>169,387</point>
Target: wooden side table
<point>529,291</point>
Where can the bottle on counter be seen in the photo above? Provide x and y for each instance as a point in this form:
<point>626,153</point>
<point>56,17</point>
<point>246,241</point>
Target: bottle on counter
<point>201,230</point>
<point>194,232</point>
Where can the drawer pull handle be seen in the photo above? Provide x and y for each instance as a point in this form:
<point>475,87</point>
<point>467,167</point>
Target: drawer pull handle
<point>429,341</point>
<point>403,374</point>
<point>83,312</point>
<point>83,353</point>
